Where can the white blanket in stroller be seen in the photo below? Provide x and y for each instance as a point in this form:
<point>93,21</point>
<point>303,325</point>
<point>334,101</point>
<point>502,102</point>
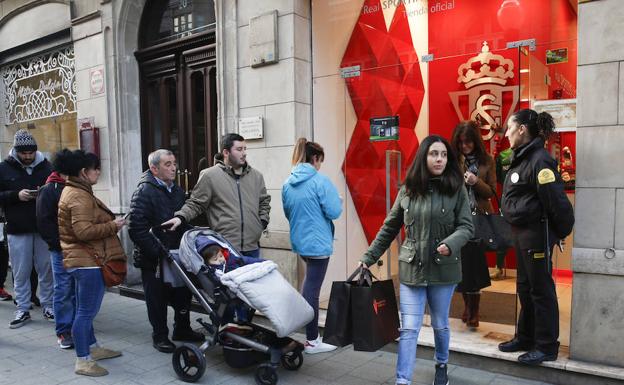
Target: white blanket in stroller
<point>262,287</point>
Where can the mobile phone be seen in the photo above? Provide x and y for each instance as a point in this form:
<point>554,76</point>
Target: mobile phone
<point>33,192</point>
<point>126,215</point>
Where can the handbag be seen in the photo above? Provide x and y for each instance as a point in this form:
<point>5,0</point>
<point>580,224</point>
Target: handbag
<point>113,270</point>
<point>375,313</point>
<point>338,322</point>
<point>492,229</point>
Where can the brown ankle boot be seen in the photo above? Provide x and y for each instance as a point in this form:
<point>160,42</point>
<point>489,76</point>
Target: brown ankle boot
<point>473,319</point>
<point>89,368</point>
<point>466,313</point>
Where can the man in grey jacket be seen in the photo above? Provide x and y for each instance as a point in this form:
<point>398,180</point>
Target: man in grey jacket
<point>233,197</point>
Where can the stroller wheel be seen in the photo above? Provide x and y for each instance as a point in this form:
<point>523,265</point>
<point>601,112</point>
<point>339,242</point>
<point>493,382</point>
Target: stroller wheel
<point>266,375</point>
<point>189,362</point>
<point>292,360</point>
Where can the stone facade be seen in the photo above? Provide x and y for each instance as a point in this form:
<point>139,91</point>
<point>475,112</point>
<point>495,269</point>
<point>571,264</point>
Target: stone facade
<point>598,258</point>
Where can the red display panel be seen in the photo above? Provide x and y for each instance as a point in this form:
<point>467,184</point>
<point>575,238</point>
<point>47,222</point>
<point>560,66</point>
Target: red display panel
<point>390,84</point>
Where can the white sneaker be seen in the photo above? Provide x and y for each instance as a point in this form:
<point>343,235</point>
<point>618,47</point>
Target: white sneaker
<point>318,346</point>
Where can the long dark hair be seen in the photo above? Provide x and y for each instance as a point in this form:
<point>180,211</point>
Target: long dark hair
<point>418,176</point>
<point>472,132</point>
<point>305,151</point>
<point>541,124</point>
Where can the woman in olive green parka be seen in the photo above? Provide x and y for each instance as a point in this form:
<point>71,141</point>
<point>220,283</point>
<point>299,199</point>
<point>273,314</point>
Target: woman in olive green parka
<point>433,206</point>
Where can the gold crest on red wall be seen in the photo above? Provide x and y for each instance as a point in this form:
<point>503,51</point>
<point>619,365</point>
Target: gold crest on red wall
<point>485,78</point>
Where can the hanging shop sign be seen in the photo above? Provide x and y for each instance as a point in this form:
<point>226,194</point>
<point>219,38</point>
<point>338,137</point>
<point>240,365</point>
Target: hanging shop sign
<point>485,77</point>
<point>40,87</point>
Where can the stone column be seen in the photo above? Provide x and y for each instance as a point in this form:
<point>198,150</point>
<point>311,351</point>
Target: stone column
<point>597,325</point>
<point>280,93</point>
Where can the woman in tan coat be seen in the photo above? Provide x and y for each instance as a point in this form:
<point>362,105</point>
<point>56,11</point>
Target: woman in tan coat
<point>480,179</point>
<point>88,233</point>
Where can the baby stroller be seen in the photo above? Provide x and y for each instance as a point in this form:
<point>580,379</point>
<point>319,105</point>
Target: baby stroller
<point>244,343</point>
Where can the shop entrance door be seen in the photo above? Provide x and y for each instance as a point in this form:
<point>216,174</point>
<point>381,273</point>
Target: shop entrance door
<point>484,85</point>
<point>178,105</point>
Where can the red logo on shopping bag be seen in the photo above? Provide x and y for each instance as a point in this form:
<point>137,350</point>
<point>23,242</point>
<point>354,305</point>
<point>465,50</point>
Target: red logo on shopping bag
<point>378,305</point>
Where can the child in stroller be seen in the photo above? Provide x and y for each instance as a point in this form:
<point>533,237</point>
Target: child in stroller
<point>231,281</point>
<point>218,257</point>
<point>219,260</point>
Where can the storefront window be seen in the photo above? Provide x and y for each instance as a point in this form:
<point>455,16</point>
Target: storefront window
<point>40,95</point>
<point>418,67</point>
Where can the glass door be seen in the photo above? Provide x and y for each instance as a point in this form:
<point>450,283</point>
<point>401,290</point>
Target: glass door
<point>482,84</point>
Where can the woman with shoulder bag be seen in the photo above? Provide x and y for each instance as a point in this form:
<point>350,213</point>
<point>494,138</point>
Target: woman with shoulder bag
<point>88,232</point>
<point>433,207</point>
<point>311,202</point>
<point>479,172</point>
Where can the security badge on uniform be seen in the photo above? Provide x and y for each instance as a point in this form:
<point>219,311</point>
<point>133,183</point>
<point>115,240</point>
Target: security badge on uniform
<point>546,175</point>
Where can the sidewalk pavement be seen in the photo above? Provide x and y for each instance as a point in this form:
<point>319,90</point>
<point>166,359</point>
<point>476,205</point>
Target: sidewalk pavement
<point>30,355</point>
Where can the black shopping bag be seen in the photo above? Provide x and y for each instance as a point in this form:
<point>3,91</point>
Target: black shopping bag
<point>375,315</point>
<point>338,323</point>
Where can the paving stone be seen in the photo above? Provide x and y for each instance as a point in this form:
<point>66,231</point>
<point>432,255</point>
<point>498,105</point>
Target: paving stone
<point>375,372</point>
<point>469,376</point>
<point>328,370</point>
<point>508,380</point>
<point>351,380</point>
<point>351,357</point>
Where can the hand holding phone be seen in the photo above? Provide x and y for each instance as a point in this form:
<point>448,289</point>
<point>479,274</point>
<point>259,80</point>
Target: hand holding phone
<point>27,195</point>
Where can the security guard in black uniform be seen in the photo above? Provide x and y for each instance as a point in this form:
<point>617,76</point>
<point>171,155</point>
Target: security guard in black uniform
<point>535,204</point>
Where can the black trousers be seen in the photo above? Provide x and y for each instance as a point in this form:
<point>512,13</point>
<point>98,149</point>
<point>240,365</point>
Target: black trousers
<point>157,296</point>
<point>538,323</point>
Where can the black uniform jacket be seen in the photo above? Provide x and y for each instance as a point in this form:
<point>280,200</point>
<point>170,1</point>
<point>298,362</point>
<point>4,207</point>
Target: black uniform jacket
<point>47,211</point>
<point>533,191</point>
<point>21,216</point>
<point>151,205</point>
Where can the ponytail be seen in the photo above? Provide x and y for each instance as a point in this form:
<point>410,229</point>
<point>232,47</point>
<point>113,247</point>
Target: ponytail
<point>305,151</point>
<point>299,153</point>
<point>540,125</point>
<point>545,125</point>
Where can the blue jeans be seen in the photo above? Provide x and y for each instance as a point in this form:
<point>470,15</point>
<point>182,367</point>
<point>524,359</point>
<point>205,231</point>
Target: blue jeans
<point>64,294</point>
<point>89,295</point>
<point>412,304</point>
<point>28,251</point>
<point>315,274</point>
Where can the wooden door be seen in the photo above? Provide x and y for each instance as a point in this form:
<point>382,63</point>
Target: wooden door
<point>179,106</point>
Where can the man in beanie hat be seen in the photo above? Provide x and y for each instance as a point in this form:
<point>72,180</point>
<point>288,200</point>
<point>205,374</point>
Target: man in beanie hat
<point>21,174</point>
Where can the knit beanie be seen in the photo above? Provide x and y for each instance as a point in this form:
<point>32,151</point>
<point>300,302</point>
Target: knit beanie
<point>24,141</point>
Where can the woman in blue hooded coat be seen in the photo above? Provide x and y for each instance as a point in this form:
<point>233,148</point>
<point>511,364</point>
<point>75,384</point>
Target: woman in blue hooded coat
<point>311,202</point>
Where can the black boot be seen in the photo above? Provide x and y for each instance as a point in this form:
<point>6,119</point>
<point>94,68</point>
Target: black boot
<point>514,345</point>
<point>536,357</point>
